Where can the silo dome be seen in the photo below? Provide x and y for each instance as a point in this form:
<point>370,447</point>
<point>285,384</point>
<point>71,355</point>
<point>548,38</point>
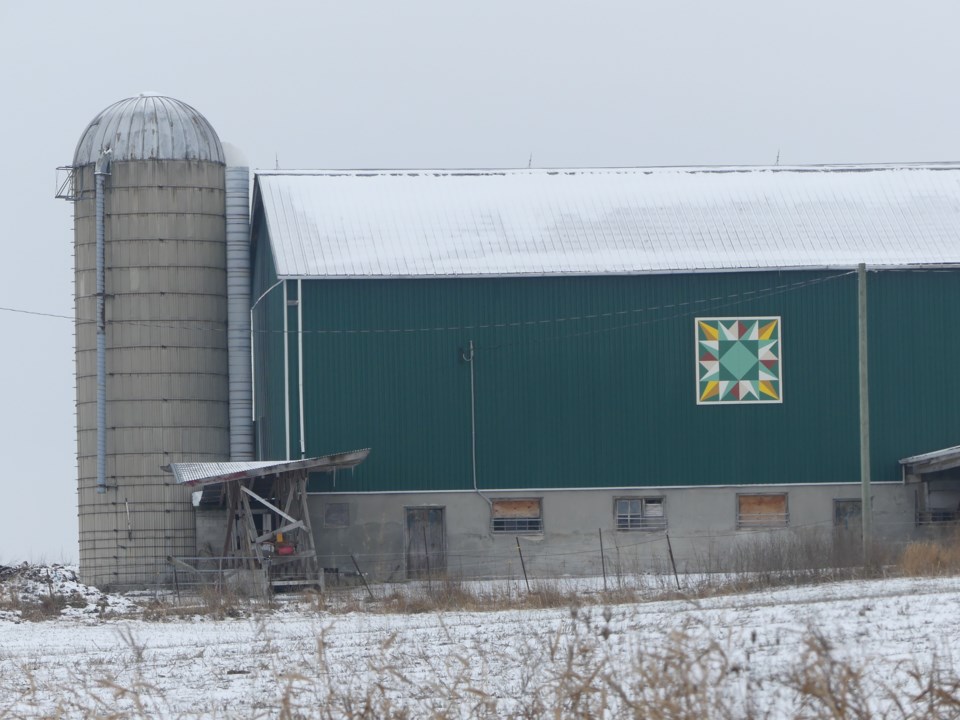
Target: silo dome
<point>149,127</point>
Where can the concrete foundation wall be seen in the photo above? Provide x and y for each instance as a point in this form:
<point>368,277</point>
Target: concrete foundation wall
<point>701,523</point>
<point>211,531</point>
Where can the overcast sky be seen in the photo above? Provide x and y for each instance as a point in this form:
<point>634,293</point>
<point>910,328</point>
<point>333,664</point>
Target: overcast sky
<point>418,84</point>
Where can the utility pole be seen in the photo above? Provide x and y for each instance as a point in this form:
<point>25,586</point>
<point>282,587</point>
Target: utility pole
<point>866,511</point>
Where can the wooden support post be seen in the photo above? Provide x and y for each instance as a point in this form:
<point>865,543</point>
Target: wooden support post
<point>251,530</point>
<point>300,484</point>
<point>228,544</point>
<point>291,496</point>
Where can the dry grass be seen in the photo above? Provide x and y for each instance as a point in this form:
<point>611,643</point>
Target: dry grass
<point>47,606</point>
<point>755,563</point>
<point>581,671</point>
<point>931,558</point>
<point>211,601</point>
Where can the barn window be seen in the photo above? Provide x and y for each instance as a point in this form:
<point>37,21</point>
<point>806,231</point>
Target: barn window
<point>762,511</point>
<point>516,516</point>
<point>336,514</point>
<point>640,513</point>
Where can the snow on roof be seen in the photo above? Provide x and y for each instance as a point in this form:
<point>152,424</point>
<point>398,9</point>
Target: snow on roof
<point>450,223</point>
<point>208,473</point>
<point>197,472</point>
<point>210,476</point>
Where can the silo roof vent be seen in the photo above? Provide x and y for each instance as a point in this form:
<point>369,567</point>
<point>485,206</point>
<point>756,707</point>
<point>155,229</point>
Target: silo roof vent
<point>149,127</point>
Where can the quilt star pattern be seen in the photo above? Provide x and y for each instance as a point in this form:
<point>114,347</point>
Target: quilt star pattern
<point>739,360</point>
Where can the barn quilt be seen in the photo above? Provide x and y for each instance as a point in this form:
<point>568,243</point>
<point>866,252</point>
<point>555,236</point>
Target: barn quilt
<point>739,360</point>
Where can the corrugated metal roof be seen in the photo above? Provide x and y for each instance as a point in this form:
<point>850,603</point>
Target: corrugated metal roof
<point>196,473</point>
<point>946,459</point>
<point>149,127</point>
<point>445,223</point>
<point>946,453</point>
<point>211,476</point>
<point>208,473</point>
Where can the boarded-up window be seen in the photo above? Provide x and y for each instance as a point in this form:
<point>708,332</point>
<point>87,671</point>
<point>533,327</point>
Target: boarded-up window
<point>640,513</point>
<point>762,511</point>
<point>336,515</point>
<point>516,516</point>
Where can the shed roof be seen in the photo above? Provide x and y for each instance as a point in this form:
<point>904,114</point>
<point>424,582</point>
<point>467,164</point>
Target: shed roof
<point>461,223</point>
<point>210,476</point>
<point>936,461</point>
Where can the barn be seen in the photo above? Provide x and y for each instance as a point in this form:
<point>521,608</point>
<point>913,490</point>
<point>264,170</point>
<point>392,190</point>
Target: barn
<point>401,373</point>
<point>540,357</point>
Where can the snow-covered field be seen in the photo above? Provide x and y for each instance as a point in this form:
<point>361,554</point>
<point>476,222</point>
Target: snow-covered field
<point>884,647</point>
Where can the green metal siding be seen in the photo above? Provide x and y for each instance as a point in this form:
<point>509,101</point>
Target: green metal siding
<point>914,357</point>
<point>564,400</point>
<point>590,381</point>
<point>267,338</point>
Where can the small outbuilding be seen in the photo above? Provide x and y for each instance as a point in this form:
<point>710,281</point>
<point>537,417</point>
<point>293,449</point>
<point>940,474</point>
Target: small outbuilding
<point>253,523</point>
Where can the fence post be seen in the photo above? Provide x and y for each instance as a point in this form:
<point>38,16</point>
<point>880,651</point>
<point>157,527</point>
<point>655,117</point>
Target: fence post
<point>603,562</point>
<point>672,562</point>
<point>360,573</point>
<point>523,566</point>
<point>426,555</point>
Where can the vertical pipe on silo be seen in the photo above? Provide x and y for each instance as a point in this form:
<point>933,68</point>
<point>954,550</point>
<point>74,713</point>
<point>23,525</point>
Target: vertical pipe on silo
<point>100,174</point>
<point>239,312</point>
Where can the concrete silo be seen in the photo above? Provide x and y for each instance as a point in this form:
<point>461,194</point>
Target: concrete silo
<point>151,331</point>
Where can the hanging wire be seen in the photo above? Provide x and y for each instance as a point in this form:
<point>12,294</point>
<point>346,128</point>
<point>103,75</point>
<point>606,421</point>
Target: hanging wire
<point>698,305</point>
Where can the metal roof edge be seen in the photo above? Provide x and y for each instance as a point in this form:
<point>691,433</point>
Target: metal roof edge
<point>845,268</point>
<point>559,170</point>
<point>931,456</point>
<point>758,487</point>
<point>261,468</point>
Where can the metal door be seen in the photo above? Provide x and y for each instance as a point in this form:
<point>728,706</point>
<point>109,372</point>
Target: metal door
<point>847,537</point>
<point>846,515</point>
<point>426,542</point>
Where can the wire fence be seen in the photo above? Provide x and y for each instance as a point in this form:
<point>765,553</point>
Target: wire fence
<point>633,560</point>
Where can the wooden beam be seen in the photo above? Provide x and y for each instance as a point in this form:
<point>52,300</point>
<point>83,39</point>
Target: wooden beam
<point>311,563</point>
<point>269,504</point>
<point>290,495</point>
<point>251,528</point>
<point>295,525</point>
<point>228,544</point>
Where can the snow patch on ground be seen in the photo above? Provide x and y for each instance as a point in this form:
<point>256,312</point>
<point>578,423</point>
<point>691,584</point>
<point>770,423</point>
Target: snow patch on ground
<point>297,658</point>
<point>53,590</point>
